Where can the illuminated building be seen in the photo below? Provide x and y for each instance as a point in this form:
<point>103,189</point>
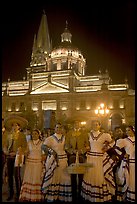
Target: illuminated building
<point>56,83</point>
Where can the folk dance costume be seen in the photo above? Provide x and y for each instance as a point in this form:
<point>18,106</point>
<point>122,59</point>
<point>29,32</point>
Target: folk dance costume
<point>57,182</point>
<point>95,187</point>
<point>32,180</point>
<point>14,147</point>
<point>15,140</point>
<point>111,162</point>
<point>76,142</point>
<point>126,171</point>
<point>108,165</point>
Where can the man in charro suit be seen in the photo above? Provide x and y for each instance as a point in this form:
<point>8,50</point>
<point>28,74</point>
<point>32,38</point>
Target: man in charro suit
<point>15,145</point>
<point>76,141</point>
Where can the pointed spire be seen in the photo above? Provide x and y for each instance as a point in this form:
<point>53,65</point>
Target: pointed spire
<point>43,39</point>
<point>41,44</point>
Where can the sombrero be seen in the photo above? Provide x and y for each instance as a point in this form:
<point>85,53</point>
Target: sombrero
<point>15,119</point>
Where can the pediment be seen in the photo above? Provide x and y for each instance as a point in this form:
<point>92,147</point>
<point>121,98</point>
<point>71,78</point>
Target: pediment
<point>49,88</point>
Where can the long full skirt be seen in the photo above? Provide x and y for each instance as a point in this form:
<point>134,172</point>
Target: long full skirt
<point>126,181</point>
<point>94,185</point>
<point>57,181</point>
<point>32,181</point>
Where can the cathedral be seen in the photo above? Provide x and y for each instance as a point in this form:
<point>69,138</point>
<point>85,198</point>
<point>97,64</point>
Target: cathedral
<point>57,88</point>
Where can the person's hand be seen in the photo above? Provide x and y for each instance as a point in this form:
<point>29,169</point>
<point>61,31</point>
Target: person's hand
<point>43,157</point>
<point>74,151</point>
<point>105,148</point>
<point>126,156</point>
<point>20,151</point>
<point>12,154</point>
<point>87,148</point>
<point>80,151</point>
<point>5,150</point>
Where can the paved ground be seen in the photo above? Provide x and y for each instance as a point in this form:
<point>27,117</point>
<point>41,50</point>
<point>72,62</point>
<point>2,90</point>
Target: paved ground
<point>5,193</point>
<point>5,190</point>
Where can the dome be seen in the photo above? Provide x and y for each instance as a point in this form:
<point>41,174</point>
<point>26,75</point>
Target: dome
<point>66,55</point>
<point>66,49</point>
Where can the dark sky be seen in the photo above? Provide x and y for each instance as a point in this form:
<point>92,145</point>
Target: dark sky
<point>104,31</point>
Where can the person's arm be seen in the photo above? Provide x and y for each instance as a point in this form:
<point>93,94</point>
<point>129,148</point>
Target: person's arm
<point>86,146</point>
<point>108,143</point>
<point>68,147</point>
<point>120,148</point>
<point>5,143</point>
<point>22,142</point>
<point>22,147</point>
<point>87,143</point>
<point>117,152</point>
<point>44,152</point>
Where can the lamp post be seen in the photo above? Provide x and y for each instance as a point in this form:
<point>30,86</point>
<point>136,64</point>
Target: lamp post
<point>102,112</point>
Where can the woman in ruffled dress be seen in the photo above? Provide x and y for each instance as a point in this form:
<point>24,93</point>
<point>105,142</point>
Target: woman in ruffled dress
<point>57,182</point>
<point>32,179</point>
<point>95,187</point>
<point>126,172</point>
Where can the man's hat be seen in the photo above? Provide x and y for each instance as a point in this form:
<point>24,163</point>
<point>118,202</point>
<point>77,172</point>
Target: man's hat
<point>15,119</point>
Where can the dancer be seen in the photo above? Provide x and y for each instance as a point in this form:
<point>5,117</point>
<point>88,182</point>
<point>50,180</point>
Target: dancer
<point>94,186</point>
<point>32,180</point>
<point>126,172</point>
<point>57,182</point>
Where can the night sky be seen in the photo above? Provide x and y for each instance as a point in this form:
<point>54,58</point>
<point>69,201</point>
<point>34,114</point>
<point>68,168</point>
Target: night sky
<point>104,31</point>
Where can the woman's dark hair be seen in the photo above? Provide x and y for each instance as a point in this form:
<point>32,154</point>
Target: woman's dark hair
<point>38,131</point>
<point>132,128</point>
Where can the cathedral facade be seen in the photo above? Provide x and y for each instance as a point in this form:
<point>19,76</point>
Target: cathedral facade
<point>57,89</point>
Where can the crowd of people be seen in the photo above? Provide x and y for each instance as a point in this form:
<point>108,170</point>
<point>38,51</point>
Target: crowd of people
<point>46,154</point>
